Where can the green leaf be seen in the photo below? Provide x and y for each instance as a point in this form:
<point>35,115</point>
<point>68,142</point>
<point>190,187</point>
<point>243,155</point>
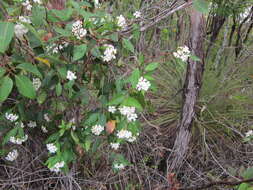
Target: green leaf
<point>248,173</point>
<point>63,32</point>
<point>79,51</point>
<point>74,137</point>
<point>128,45</point>
<point>11,133</point>
<point>2,72</point>
<point>151,66</point>
<point>6,35</point>
<point>195,58</point>
<point>132,102</point>
<point>91,119</point>
<point>58,89</point>
<point>201,6</point>
<point>38,15</point>
<point>30,68</point>
<point>6,85</point>
<point>117,99</point>
<point>42,97</point>
<point>55,15</point>
<point>87,143</point>
<point>243,186</point>
<point>134,78</point>
<point>25,86</point>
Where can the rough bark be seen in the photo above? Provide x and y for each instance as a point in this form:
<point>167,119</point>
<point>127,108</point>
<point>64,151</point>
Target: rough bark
<point>191,91</point>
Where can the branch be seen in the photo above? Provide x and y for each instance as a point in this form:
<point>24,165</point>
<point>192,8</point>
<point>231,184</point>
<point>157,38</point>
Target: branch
<point>158,19</point>
<point>226,183</point>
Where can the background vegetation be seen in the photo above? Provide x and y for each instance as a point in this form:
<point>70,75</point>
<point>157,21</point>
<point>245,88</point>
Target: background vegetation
<point>219,153</point>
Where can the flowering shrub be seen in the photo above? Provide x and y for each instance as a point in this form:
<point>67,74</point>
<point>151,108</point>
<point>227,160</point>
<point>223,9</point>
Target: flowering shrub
<point>62,74</point>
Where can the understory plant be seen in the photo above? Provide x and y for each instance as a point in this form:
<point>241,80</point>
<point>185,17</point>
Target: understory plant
<point>63,75</point>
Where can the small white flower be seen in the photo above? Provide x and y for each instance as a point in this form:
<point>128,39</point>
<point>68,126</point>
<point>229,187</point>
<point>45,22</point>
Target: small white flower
<point>32,124</point>
<point>51,148</point>
<point>11,156</point>
<point>137,14</point>
<point>119,166</point>
<point>97,129</point>
<point>11,117</point>
<point>124,134</point>
<point>131,139</point>
<point>121,21</point>
<point>46,117</point>
<point>24,19</point>
<point>56,168</point>
<point>44,129</point>
<point>20,30</point>
<point>71,75</point>
<point>27,5</point>
<point>143,84</point>
<point>109,53</point>
<point>182,53</point>
<point>15,140</point>
<point>249,133</point>
<point>132,117</point>
<point>115,146</point>
<point>78,31</point>
<point>36,83</point>
<point>37,1</point>
<point>96,3</point>
<point>112,109</point>
<point>125,110</point>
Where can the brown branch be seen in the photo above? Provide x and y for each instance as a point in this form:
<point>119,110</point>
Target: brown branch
<point>192,87</point>
<point>159,18</point>
<point>216,183</point>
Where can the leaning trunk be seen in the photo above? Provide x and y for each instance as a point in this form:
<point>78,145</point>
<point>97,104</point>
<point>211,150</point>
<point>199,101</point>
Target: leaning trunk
<point>191,91</point>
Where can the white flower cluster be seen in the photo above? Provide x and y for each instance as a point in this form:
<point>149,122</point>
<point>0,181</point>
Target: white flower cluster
<point>51,148</point>
<point>97,129</point>
<point>112,109</point>
<point>137,14</point>
<point>56,168</point>
<point>46,117</point>
<point>15,140</point>
<point>28,5</point>
<point>32,124</point>
<point>55,48</point>
<point>182,53</point>
<point>11,156</point>
<point>119,166</point>
<point>143,84</point>
<point>24,19</point>
<point>124,134</point>
<point>115,146</point>
<point>109,53</point>
<point>129,112</point>
<point>11,117</point>
<point>121,21</point>
<point>71,75</point>
<point>249,133</point>
<point>127,135</point>
<point>36,83</point>
<point>44,129</point>
<point>19,28</point>
<point>77,29</point>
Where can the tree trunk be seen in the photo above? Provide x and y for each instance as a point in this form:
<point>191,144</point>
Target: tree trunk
<point>191,91</point>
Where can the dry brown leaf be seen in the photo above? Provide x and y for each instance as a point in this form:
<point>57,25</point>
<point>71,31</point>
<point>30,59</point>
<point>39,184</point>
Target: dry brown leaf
<point>110,126</point>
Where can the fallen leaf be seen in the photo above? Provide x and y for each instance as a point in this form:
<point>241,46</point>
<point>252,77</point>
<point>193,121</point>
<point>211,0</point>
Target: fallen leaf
<point>110,126</point>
